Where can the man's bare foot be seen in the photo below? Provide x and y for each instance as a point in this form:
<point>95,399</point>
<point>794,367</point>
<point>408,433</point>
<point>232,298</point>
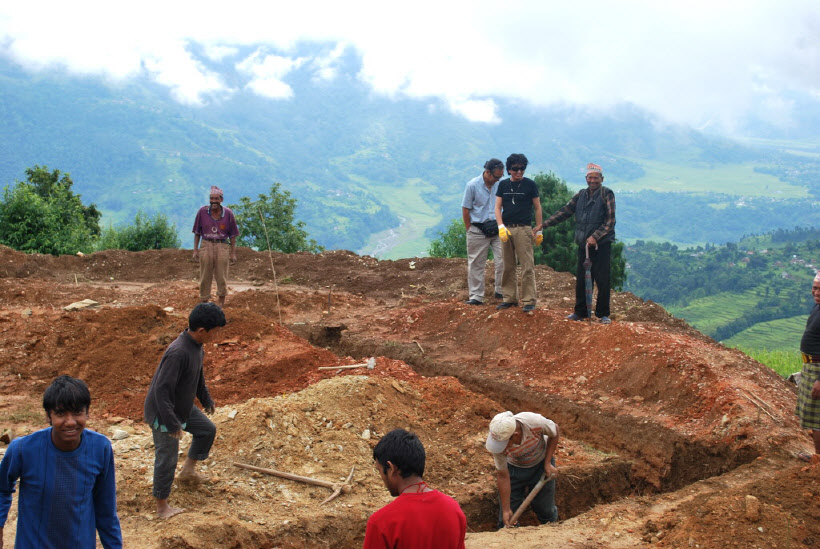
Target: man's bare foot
<point>221,302</point>
<point>166,511</point>
<point>191,477</point>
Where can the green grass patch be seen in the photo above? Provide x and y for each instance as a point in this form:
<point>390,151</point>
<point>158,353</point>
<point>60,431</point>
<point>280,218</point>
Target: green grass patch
<point>782,362</point>
<point>26,414</point>
<point>734,179</point>
<point>708,313</point>
<point>417,214</point>
<point>782,334</point>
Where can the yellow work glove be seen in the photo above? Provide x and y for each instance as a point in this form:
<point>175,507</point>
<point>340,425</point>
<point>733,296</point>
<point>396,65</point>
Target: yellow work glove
<point>539,238</point>
<point>503,233</point>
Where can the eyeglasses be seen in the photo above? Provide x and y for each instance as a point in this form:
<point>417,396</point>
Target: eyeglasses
<point>518,168</point>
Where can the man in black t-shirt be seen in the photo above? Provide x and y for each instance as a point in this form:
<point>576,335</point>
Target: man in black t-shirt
<point>515,200</point>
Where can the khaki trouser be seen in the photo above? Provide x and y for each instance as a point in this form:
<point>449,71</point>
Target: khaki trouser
<point>478,247</point>
<point>519,247</point>
<point>213,263</point>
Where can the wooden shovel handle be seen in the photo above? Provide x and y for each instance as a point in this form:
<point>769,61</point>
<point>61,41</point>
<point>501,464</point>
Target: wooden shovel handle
<point>288,476</point>
<point>530,497</point>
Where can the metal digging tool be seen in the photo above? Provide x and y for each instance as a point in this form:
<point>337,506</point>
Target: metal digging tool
<point>343,488</point>
<point>588,281</point>
<point>370,364</point>
<point>534,492</point>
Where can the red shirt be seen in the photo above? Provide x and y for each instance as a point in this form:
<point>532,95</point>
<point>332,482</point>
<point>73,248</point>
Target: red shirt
<point>427,520</point>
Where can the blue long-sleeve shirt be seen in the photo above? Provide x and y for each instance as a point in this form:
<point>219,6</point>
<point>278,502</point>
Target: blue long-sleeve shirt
<point>65,497</point>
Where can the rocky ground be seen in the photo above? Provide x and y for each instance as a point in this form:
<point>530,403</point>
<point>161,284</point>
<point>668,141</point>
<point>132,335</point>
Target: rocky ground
<point>669,439</point>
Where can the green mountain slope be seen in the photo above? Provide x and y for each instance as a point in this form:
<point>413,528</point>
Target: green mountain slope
<point>382,175</point>
<point>753,294</point>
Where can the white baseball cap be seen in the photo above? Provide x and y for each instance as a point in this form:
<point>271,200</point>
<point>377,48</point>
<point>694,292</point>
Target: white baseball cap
<point>502,428</point>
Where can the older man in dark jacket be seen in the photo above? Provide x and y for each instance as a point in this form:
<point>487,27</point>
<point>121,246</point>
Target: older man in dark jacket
<point>594,209</point>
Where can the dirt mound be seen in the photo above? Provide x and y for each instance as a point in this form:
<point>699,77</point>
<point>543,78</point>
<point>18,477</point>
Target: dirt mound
<point>664,432</point>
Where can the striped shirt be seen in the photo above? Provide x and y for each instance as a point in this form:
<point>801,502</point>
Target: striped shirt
<point>535,433</point>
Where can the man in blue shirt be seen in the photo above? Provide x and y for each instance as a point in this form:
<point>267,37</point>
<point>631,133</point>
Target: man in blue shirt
<point>478,211</point>
<point>66,473</point>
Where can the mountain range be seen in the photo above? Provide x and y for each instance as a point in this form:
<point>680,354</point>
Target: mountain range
<point>381,175</point>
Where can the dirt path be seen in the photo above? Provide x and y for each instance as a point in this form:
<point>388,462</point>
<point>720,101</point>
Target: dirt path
<point>666,433</point>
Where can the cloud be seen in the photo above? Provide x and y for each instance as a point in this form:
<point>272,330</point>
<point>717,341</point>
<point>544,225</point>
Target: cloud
<point>218,52</point>
<point>189,81</point>
<point>692,62</point>
<point>327,67</point>
<point>477,110</point>
<point>267,72</point>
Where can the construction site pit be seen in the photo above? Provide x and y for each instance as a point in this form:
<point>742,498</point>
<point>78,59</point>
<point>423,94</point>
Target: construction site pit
<point>668,438</point>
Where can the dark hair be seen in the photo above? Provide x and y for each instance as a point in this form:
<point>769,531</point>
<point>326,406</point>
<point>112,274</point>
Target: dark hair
<point>404,450</point>
<point>206,315</point>
<point>493,164</point>
<point>67,394</point>
<point>516,159</point>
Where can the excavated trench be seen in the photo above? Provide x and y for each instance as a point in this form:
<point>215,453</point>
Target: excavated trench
<point>641,456</point>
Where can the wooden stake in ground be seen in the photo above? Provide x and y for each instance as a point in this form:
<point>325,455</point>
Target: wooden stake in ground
<point>270,256</point>
<point>337,488</point>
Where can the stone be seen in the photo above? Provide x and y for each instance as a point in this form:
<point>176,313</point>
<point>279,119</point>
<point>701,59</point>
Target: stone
<point>752,508</point>
<point>78,305</point>
<point>119,434</point>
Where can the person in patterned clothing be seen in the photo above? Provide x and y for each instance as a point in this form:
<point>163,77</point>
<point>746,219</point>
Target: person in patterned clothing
<point>808,391</point>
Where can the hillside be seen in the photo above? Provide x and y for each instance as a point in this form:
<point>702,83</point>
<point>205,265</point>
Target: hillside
<point>666,435</point>
<point>753,293</point>
<point>380,174</point>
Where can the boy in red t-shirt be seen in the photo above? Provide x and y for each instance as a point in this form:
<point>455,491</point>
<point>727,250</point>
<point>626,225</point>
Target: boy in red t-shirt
<point>419,517</point>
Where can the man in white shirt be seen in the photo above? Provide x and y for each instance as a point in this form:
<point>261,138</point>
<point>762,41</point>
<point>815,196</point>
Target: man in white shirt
<point>523,447</point>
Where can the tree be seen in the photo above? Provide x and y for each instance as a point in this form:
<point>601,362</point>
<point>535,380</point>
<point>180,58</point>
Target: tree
<point>43,215</point>
<point>558,250</point>
<point>146,233</point>
<point>51,186</point>
<point>277,209</point>
<point>450,243</point>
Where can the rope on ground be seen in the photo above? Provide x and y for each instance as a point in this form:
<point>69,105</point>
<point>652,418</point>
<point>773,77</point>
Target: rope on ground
<point>270,256</point>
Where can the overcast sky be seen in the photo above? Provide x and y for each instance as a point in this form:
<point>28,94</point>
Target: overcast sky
<point>702,63</point>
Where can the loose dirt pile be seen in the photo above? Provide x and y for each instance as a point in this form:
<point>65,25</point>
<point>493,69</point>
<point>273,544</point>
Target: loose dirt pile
<point>668,438</point>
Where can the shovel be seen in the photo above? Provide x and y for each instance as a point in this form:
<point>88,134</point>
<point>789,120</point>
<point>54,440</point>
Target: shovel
<point>588,281</point>
<point>531,496</point>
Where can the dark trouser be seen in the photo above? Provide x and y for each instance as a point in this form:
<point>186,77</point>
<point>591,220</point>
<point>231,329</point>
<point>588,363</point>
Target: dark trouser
<point>166,450</point>
<point>522,480</point>
<point>601,259</point>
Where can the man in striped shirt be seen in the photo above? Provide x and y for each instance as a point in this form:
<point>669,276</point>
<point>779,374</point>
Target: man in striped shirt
<point>523,447</point>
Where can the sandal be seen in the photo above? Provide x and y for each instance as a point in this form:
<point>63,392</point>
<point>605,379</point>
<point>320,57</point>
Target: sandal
<point>804,456</point>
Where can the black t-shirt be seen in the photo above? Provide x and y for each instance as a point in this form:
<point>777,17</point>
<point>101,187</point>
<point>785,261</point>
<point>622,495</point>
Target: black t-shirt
<point>810,344</point>
<point>516,200</point>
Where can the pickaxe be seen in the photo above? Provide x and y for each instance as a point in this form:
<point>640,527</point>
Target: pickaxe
<point>337,488</point>
<point>370,364</point>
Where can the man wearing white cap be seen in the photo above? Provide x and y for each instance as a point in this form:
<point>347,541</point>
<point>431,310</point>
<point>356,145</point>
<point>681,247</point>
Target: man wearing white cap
<point>215,226</point>
<point>523,447</point>
<point>594,209</point>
